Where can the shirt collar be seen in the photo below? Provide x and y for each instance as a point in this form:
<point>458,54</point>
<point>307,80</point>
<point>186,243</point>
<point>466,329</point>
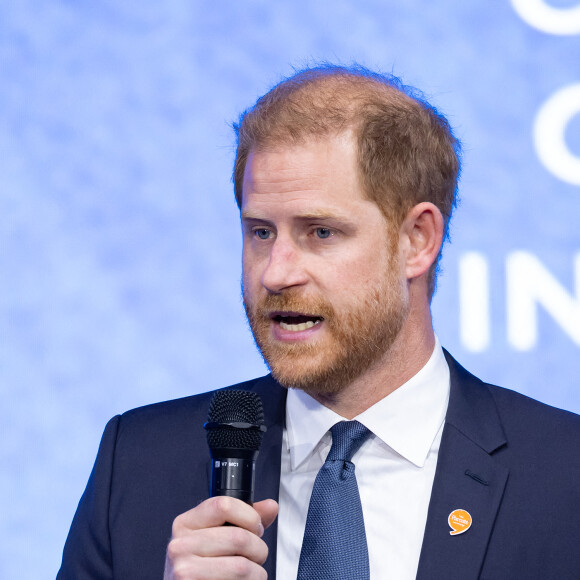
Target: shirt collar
<point>407,420</point>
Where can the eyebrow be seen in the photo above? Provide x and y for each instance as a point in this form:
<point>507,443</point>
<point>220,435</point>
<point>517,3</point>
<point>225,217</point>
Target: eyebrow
<point>315,215</point>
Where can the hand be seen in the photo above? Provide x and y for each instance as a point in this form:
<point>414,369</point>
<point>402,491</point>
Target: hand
<point>201,547</point>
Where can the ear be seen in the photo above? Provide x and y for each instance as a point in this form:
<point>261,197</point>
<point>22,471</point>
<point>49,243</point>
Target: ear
<point>421,237</point>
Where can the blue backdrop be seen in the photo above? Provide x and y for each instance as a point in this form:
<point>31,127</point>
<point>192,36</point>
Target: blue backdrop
<point>120,245</point>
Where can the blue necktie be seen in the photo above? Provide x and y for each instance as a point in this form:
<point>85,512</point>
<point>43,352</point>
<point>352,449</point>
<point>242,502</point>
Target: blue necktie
<point>335,544</point>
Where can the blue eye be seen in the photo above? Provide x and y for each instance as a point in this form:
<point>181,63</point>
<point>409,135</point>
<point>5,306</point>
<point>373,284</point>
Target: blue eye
<point>262,233</point>
<point>323,232</point>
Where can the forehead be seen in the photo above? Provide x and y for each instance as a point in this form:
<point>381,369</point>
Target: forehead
<point>319,170</point>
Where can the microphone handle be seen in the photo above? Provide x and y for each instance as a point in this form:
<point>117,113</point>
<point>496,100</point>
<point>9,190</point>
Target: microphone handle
<point>233,475</point>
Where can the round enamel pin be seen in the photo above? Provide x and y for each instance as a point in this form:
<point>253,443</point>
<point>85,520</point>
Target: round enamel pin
<point>459,522</point>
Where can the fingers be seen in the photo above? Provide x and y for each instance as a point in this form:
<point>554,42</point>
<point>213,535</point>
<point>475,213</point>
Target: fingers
<point>216,511</point>
<point>202,547</point>
<point>195,568</point>
<point>220,541</point>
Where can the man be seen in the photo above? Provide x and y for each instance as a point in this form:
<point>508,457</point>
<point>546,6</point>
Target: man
<point>346,182</point>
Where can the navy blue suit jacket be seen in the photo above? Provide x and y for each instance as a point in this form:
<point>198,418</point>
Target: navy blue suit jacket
<point>511,462</point>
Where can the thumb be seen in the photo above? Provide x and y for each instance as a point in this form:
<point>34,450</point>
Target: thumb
<point>268,510</point>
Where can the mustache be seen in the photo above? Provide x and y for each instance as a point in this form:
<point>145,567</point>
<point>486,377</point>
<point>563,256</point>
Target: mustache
<point>289,301</point>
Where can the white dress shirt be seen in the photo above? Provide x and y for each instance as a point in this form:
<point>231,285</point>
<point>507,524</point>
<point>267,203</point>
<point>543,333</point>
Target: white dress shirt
<point>395,469</point>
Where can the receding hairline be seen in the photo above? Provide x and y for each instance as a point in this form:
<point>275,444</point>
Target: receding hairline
<point>342,95</point>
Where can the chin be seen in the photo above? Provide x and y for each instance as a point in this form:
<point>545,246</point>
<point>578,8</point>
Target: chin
<point>315,378</point>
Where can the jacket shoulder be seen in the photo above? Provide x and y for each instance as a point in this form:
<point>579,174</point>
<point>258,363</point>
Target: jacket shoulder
<point>172,414</point>
<point>548,430</point>
<point>511,404</point>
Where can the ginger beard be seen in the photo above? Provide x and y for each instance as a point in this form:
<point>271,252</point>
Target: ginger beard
<point>354,337</point>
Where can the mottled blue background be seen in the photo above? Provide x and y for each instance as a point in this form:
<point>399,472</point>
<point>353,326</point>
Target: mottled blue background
<point>119,236</point>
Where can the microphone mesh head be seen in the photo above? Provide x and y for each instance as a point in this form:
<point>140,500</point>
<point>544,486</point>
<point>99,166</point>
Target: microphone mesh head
<point>232,406</point>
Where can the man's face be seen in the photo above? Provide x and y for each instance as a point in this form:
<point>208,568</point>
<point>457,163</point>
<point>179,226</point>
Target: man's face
<point>323,289</point>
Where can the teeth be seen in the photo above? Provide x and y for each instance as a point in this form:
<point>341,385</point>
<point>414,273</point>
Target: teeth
<point>298,327</point>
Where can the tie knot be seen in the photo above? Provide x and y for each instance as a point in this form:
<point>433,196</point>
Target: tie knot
<point>347,438</point>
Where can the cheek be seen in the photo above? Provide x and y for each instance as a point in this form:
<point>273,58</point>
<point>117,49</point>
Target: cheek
<point>251,271</point>
<point>371,271</point>
<point>247,278</point>
<point>343,283</point>
<point>363,270</point>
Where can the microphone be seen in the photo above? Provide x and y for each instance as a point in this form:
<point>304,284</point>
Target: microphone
<point>235,427</point>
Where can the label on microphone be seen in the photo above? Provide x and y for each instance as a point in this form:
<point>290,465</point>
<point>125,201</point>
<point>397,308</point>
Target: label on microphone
<point>233,477</point>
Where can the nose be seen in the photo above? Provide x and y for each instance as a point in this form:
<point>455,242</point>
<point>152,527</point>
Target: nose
<point>285,267</point>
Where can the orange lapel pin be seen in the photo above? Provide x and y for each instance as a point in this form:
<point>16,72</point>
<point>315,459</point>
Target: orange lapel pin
<point>459,522</point>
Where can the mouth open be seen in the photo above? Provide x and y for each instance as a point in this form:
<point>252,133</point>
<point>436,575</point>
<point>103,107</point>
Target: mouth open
<point>296,322</point>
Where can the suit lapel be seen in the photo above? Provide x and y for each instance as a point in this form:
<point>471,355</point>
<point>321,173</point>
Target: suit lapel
<point>467,478</point>
<point>268,464</point>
